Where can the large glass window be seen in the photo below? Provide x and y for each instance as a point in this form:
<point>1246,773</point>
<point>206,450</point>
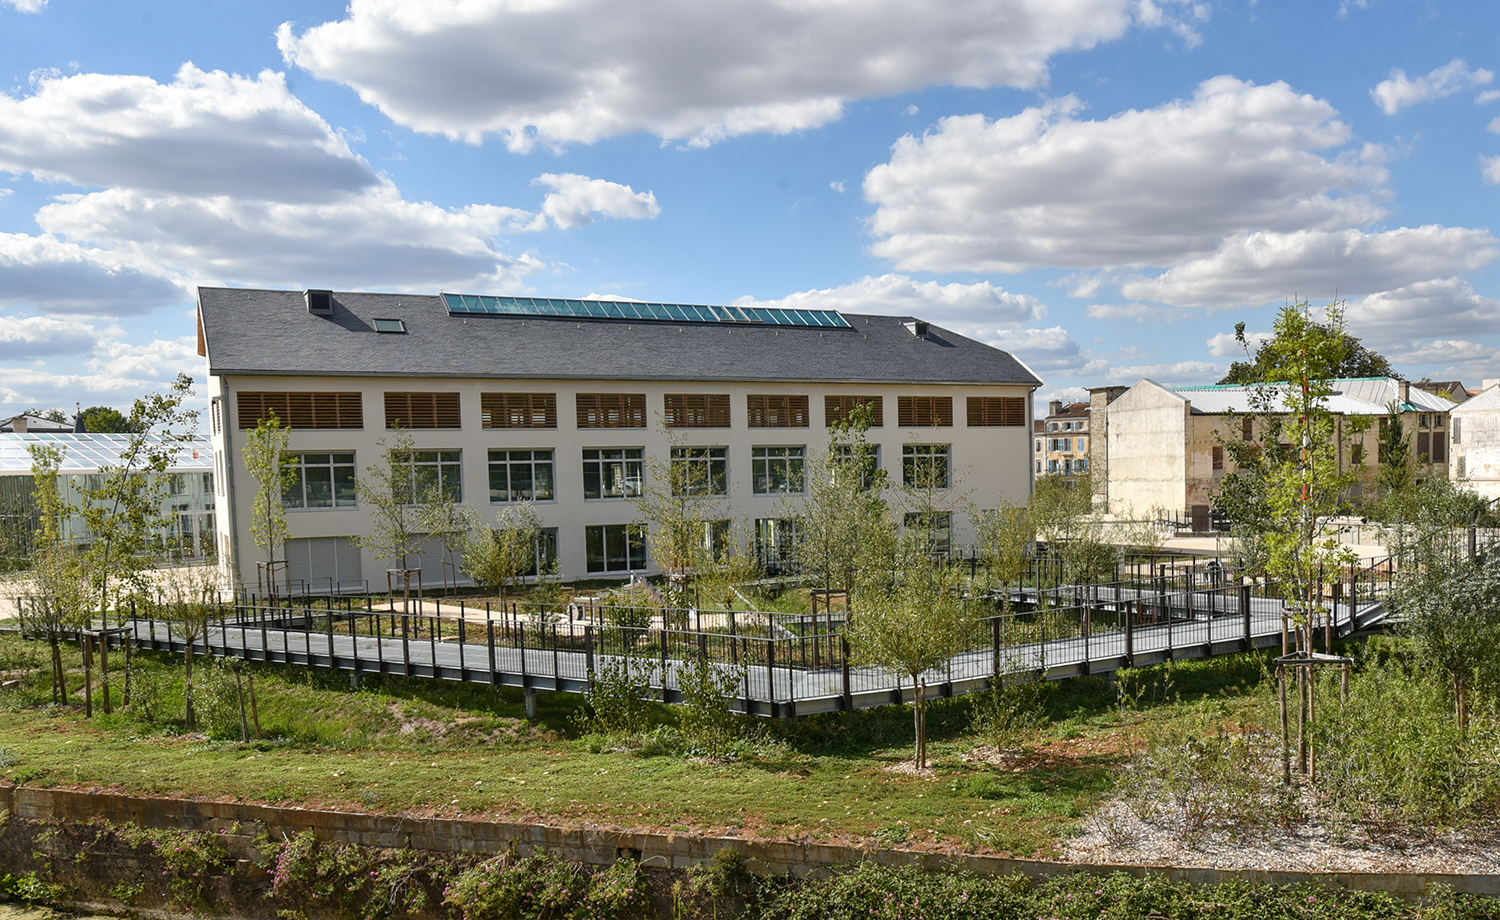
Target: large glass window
<point>612,472</point>
<point>521,475</point>
<point>934,527</point>
<point>774,540</point>
<point>615,547</point>
<point>700,471</point>
<point>434,474</point>
<point>776,469</point>
<point>846,457</point>
<point>926,466</point>
<point>320,481</point>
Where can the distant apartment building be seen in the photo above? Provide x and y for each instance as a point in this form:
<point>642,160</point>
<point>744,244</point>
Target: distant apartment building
<point>1060,442</point>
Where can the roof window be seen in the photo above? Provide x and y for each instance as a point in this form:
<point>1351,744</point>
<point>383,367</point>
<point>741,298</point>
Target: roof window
<point>319,303</point>
<point>389,325</point>
<point>917,328</point>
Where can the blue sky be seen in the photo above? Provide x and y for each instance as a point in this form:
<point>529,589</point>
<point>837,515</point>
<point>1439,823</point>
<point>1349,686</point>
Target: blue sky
<point>1103,187</point>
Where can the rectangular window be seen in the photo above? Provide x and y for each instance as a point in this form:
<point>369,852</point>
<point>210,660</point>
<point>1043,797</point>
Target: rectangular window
<point>1439,448</point>
<point>924,411</point>
<point>1424,447</point>
<point>1081,464</point>
<point>615,547</point>
<point>776,411</point>
<point>774,540</point>
<point>1457,430</point>
<point>301,410</point>
<point>700,471</point>
<point>1218,459</point>
<point>1247,429</point>
<point>546,551</point>
<point>612,472</point>
<point>776,470</point>
<point>320,481</point>
<point>843,455</point>
<point>928,466</point>
<point>836,409</point>
<point>696,410</point>
<point>989,411</point>
<point>218,421</point>
<point>435,474</point>
<point>422,410</point>
<point>611,410</point>
<point>518,410</point>
<point>520,475</point>
<point>936,528</point>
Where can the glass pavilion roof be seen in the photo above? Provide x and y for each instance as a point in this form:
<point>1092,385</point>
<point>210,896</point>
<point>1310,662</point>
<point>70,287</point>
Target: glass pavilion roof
<point>634,310</point>
<point>86,453</point>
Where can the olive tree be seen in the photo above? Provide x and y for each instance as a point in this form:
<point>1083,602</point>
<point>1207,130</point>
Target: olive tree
<point>498,555</point>
<point>841,517</point>
<point>911,622</point>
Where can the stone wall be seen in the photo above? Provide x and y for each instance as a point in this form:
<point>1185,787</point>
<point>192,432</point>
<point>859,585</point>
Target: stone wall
<point>602,847</point>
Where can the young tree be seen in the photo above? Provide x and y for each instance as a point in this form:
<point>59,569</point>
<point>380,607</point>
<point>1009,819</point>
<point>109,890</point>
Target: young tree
<point>274,468</point>
<point>58,591</point>
<point>1062,513</point>
<point>449,522</point>
<point>1005,537</point>
<point>395,491</point>
<point>191,604</point>
<point>683,503</point>
<point>1353,358</point>
<point>498,555</point>
<point>1294,479</point>
<point>841,517</point>
<point>123,510</point>
<point>910,622</point>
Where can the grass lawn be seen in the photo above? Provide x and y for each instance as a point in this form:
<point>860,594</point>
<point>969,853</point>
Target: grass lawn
<point>420,746</point>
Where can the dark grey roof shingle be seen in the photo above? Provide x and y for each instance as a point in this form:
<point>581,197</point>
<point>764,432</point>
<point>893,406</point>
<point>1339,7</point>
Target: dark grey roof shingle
<point>260,332</point>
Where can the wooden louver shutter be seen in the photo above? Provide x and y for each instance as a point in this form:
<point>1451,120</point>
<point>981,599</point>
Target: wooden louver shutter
<point>422,410</point>
<point>836,409</point>
<point>518,410</point>
<point>989,411</point>
<point>696,410</point>
<point>924,411</point>
<point>301,410</point>
<point>780,411</point>
<point>611,410</point>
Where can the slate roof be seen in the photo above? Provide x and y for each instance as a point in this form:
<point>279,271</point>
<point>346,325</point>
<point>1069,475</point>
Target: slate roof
<point>262,332</point>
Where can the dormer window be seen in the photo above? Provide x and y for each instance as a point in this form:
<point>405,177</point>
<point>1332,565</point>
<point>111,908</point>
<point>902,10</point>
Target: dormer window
<point>389,325</point>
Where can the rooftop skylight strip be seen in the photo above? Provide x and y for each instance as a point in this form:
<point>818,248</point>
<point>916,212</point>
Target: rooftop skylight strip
<point>619,309</point>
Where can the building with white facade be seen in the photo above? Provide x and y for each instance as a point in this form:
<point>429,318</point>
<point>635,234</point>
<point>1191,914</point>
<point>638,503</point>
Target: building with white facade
<point>564,402</point>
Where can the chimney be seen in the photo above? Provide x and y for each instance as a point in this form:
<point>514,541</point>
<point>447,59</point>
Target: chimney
<point>1054,407</point>
<point>1406,391</point>
<point>18,424</point>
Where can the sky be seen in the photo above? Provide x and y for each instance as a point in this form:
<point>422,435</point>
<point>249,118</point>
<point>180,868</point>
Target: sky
<point>1102,187</point>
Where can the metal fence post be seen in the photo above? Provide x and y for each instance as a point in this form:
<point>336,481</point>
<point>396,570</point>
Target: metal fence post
<point>848,692</point>
<point>1245,615</point>
<point>588,653</point>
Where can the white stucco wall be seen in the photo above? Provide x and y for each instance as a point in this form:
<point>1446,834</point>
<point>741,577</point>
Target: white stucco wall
<point>1148,428</point>
<point>1474,460</point>
<point>988,463</point>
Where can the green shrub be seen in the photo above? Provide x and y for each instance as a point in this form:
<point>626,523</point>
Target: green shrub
<point>545,887</point>
<point>1010,711</point>
<point>348,879</point>
<point>617,701</point>
<point>708,689</point>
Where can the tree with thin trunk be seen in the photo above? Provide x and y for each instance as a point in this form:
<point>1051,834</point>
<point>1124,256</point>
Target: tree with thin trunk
<point>192,602</point>
<point>58,591</point>
<point>911,623</point>
<point>682,502</point>
<point>274,468</point>
<point>395,491</point>
<point>499,555</point>
<point>842,510</point>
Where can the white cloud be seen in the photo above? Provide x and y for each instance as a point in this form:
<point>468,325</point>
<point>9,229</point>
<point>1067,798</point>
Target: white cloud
<point>1066,395</point>
<point>1044,350</point>
<point>1137,311</point>
<point>203,134</point>
<point>53,276</point>
<point>981,303</point>
<point>581,70</point>
<point>1178,373</point>
<point>1225,345</point>
<point>1486,97</point>
<point>1444,352</point>
<point>1141,188</point>
<point>28,337</point>
<point>372,240</point>
<point>577,198</point>
<point>1490,167</point>
<point>1255,268</point>
<point>910,110</point>
<point>837,187</point>
<point>1399,91</point>
<point>1447,307</point>
<point>28,6</point>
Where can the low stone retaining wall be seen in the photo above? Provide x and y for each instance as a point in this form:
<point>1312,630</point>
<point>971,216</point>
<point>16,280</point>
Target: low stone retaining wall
<point>603,847</point>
